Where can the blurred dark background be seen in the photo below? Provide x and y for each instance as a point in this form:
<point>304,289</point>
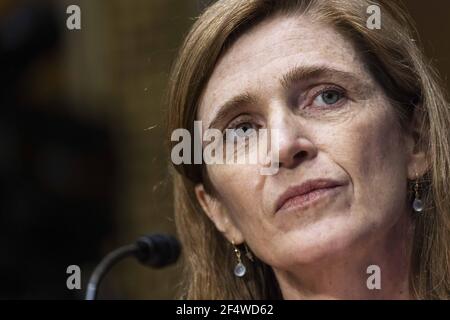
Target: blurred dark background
<point>82,164</point>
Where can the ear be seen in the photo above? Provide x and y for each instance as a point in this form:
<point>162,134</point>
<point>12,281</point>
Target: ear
<point>417,160</point>
<point>218,215</point>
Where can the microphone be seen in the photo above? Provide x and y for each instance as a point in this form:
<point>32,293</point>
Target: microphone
<point>157,251</point>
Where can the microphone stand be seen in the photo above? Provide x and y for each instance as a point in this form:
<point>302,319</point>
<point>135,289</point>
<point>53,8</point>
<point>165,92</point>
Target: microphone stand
<point>156,251</point>
<point>104,266</point>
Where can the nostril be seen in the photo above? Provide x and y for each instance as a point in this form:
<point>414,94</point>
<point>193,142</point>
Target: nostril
<point>295,160</point>
<point>299,155</point>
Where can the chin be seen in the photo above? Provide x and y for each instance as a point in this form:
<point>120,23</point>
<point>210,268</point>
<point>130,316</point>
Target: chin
<point>325,239</point>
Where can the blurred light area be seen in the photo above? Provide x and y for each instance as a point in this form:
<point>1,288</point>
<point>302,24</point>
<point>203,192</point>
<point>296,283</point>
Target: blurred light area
<point>79,174</point>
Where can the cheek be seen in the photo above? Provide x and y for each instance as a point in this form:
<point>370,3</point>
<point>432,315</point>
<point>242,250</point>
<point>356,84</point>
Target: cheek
<point>241,190</point>
<point>239,187</point>
<point>371,152</point>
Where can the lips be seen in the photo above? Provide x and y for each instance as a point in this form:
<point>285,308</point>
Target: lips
<point>308,191</point>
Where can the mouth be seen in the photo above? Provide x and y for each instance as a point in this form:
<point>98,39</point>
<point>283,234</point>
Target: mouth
<point>304,195</point>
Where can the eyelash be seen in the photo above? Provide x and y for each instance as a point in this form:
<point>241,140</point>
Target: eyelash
<point>246,118</point>
<point>242,119</point>
<point>323,89</point>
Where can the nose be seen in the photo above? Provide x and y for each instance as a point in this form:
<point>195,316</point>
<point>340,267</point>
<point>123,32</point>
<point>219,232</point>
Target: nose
<point>295,146</point>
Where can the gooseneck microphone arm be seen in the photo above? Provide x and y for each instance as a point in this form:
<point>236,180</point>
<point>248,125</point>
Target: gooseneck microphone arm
<point>104,266</point>
<point>156,251</point>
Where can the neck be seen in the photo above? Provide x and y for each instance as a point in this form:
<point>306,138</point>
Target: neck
<point>345,275</point>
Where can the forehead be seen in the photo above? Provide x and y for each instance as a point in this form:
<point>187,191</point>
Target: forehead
<point>258,58</point>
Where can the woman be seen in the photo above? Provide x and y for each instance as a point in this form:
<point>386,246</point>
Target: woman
<point>358,208</point>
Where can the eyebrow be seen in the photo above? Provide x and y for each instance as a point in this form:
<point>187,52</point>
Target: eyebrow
<point>245,98</point>
<point>299,74</point>
<point>293,76</point>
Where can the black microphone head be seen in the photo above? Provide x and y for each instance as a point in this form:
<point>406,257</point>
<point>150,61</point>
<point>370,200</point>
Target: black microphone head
<point>157,250</point>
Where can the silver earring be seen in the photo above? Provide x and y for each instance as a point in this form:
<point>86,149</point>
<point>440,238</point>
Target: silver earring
<point>239,269</point>
<point>417,203</point>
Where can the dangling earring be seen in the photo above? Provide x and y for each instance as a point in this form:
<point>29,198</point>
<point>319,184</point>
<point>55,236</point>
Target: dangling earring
<point>417,203</point>
<point>239,269</point>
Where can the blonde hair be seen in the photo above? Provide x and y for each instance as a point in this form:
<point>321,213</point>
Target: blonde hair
<point>394,59</point>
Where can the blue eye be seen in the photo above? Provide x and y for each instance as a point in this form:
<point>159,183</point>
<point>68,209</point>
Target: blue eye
<point>328,97</point>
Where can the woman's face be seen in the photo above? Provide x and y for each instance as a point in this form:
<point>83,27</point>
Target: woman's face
<point>334,123</point>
